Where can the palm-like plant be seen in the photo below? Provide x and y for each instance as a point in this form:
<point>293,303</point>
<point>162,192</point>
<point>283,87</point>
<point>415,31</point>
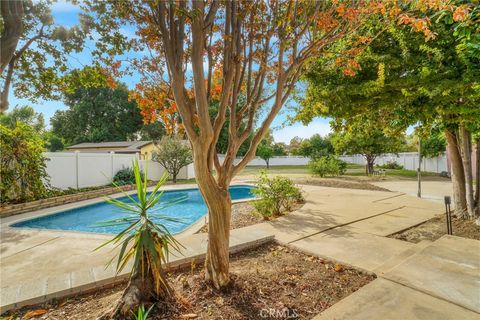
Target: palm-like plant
<point>145,243</point>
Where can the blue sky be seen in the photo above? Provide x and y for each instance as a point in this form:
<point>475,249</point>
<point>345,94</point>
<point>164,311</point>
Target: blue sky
<point>65,13</point>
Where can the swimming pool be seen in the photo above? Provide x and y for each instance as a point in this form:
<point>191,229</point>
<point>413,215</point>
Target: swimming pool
<point>88,218</point>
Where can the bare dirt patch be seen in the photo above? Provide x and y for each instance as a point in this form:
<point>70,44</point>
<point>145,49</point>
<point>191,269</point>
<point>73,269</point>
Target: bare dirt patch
<point>436,227</point>
<point>269,282</point>
<point>339,183</point>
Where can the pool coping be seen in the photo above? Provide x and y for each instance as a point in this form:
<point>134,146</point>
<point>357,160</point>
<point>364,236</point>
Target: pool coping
<point>7,222</point>
<point>100,277</point>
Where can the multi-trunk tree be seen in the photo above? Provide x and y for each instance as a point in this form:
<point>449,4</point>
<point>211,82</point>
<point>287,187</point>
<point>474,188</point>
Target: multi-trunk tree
<point>259,48</point>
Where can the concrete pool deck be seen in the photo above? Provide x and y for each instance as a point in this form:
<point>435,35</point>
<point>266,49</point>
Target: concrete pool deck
<point>344,225</point>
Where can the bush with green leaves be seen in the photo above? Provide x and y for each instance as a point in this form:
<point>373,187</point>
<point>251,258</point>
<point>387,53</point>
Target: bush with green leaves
<point>275,195</point>
<point>125,176</point>
<point>391,165</point>
<point>23,176</point>
<point>327,166</point>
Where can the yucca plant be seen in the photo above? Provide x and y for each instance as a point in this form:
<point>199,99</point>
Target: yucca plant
<point>145,243</point>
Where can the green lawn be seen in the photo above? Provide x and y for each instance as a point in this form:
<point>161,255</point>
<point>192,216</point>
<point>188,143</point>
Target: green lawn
<point>281,170</point>
<point>353,170</point>
<point>189,181</point>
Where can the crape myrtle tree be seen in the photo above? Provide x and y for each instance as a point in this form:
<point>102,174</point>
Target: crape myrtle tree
<point>34,50</point>
<point>407,81</point>
<point>260,48</point>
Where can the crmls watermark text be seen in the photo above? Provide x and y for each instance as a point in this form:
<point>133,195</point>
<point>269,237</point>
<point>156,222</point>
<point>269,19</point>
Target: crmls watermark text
<point>284,313</point>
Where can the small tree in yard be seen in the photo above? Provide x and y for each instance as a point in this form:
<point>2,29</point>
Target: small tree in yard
<point>368,141</point>
<point>260,50</point>
<point>145,242</point>
<point>315,147</point>
<point>173,154</point>
<point>265,152</point>
<point>268,149</point>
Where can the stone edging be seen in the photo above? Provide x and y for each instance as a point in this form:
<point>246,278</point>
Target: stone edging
<point>13,209</point>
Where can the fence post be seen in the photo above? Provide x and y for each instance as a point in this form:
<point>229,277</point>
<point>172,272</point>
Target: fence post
<point>112,155</point>
<point>77,153</point>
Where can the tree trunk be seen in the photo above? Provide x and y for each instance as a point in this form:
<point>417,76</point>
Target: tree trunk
<point>217,259</point>
<point>466,148</point>
<point>477,178</point>
<point>132,298</point>
<point>174,178</point>
<point>140,291</point>
<point>12,12</point>
<point>268,163</point>
<point>370,163</point>
<point>219,204</point>
<point>457,173</point>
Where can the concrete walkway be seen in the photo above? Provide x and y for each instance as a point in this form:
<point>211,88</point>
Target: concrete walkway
<point>416,281</point>
<point>424,281</point>
<point>382,299</point>
<point>439,280</point>
<point>431,190</point>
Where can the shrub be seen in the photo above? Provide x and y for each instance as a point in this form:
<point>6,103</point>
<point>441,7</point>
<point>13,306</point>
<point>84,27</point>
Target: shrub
<point>22,172</point>
<point>125,176</point>
<point>276,195</point>
<point>173,154</point>
<point>391,165</point>
<point>327,166</point>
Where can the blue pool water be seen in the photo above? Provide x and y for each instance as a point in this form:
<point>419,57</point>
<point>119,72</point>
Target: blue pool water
<point>89,218</point>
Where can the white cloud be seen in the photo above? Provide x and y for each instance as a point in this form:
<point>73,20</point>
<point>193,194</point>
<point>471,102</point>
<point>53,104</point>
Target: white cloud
<point>287,133</point>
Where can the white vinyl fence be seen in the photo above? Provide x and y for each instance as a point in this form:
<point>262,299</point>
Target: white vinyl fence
<point>90,169</point>
<point>409,160</point>
<point>275,161</point>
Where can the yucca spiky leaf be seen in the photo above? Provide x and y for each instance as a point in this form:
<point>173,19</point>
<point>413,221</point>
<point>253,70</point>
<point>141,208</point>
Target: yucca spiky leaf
<point>143,240</point>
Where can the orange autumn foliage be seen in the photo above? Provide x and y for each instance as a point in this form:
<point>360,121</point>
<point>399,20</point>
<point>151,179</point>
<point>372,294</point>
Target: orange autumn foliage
<point>156,104</point>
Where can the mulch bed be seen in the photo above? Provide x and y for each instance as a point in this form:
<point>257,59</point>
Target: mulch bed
<point>436,227</point>
<point>269,282</point>
<point>244,214</point>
